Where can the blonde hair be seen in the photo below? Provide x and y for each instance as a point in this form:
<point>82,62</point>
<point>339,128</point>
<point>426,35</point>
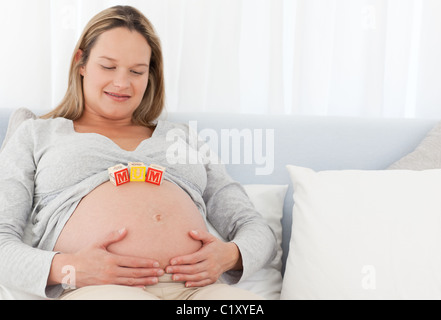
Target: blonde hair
<point>152,104</point>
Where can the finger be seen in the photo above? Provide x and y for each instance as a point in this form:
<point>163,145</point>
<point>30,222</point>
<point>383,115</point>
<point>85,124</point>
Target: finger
<point>187,269</point>
<point>135,262</point>
<point>113,237</point>
<point>139,272</point>
<point>202,235</point>
<point>191,277</point>
<point>198,256</point>
<point>137,282</point>
<point>192,258</point>
<point>202,283</point>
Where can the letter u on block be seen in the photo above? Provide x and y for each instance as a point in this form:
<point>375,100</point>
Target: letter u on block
<point>137,171</point>
<point>155,174</point>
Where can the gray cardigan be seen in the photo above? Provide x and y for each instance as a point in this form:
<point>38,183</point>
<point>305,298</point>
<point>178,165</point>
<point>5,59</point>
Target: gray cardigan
<point>46,168</point>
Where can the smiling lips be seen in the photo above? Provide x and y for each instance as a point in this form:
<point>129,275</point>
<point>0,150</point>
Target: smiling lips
<point>117,96</point>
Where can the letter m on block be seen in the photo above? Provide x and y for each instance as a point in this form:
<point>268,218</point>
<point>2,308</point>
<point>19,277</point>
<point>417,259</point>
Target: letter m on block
<point>122,177</point>
<point>155,174</point>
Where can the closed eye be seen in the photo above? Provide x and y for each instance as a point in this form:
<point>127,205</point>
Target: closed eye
<point>132,71</point>
<point>137,73</point>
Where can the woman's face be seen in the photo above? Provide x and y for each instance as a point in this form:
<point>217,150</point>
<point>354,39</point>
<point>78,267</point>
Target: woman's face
<point>116,74</point>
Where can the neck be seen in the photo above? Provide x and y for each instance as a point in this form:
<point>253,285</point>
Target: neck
<point>93,119</point>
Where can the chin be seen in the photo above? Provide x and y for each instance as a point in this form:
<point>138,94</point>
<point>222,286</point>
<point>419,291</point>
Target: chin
<point>117,117</point>
<point>117,113</point>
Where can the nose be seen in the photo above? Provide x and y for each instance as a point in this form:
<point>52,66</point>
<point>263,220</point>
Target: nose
<point>121,80</point>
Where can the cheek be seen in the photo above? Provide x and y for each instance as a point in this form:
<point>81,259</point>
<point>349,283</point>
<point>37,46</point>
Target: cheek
<point>90,89</point>
<point>87,87</point>
<point>141,86</point>
<point>94,80</point>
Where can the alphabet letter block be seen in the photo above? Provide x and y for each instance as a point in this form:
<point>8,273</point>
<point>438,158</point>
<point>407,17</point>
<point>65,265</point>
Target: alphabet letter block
<point>119,174</point>
<point>155,174</point>
<point>137,171</point>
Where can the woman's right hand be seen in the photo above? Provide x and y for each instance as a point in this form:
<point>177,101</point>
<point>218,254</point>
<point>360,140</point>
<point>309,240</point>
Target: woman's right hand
<point>95,265</point>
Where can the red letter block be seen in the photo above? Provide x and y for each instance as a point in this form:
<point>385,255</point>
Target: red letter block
<point>119,174</point>
<point>155,174</point>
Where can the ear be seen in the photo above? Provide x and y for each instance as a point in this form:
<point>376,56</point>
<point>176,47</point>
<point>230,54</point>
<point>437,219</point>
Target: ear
<point>78,57</point>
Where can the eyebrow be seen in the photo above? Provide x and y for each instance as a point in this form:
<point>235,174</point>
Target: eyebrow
<point>114,60</point>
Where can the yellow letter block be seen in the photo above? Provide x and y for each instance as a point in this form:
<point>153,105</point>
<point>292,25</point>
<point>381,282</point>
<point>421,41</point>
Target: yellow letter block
<point>137,171</point>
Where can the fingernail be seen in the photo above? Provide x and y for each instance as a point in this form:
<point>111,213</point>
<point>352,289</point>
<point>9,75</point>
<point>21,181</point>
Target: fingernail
<point>155,264</point>
<point>195,232</point>
<point>160,272</point>
<point>120,231</point>
<point>173,262</point>
<point>176,278</point>
<point>169,270</point>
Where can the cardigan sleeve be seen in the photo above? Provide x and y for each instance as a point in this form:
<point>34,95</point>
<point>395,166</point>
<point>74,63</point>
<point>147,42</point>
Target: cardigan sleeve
<point>21,267</point>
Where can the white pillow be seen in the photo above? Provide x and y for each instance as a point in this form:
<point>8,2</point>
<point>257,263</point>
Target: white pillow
<point>364,235</point>
<point>268,200</point>
<point>426,156</point>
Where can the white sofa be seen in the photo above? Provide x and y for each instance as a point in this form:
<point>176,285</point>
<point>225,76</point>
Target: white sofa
<point>319,143</point>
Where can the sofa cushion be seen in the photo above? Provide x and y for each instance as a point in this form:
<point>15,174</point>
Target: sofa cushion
<point>426,156</point>
<point>364,235</point>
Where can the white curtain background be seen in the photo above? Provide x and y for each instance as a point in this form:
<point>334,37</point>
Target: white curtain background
<point>371,58</point>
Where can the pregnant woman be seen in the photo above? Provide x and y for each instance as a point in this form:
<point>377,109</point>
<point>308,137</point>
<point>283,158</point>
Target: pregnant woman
<point>133,241</point>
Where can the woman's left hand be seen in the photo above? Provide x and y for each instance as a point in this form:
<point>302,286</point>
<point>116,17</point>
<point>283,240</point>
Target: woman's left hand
<point>206,265</point>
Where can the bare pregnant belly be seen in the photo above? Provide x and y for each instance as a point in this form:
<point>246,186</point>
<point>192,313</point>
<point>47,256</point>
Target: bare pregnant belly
<point>158,220</point>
